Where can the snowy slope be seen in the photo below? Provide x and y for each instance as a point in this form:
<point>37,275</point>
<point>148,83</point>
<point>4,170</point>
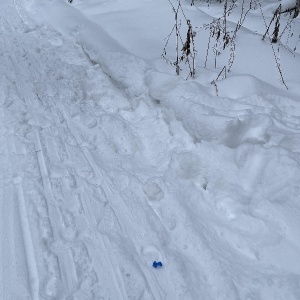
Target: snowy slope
<point>109,161</point>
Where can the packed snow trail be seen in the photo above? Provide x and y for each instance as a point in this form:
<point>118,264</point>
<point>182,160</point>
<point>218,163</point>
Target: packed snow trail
<point>61,205</point>
<point>108,165</point>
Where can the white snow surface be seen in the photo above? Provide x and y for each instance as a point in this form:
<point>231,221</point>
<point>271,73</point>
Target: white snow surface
<point>109,161</point>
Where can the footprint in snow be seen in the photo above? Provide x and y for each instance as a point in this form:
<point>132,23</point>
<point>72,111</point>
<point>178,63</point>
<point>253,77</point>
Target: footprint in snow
<point>153,191</point>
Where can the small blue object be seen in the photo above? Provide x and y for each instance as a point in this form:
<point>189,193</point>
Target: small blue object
<point>157,264</point>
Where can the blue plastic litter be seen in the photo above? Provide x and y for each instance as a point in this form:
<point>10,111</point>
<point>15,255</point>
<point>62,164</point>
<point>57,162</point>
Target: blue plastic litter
<point>157,264</point>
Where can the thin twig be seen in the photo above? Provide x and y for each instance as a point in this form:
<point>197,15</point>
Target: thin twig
<point>276,59</point>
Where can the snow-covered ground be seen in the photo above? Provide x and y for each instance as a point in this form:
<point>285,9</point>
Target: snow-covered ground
<point>109,161</point>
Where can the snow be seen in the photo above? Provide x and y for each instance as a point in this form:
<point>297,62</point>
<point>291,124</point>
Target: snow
<point>110,162</point>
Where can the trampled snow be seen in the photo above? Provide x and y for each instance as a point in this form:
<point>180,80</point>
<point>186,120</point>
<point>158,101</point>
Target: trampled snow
<point>111,163</point>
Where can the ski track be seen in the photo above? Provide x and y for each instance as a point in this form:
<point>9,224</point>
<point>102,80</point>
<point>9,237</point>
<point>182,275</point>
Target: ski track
<point>65,264</point>
<point>122,215</point>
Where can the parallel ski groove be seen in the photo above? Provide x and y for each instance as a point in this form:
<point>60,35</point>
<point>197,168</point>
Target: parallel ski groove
<point>121,213</point>
<point>65,259</point>
<point>54,214</point>
<point>30,257</point>
<point>116,277</point>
